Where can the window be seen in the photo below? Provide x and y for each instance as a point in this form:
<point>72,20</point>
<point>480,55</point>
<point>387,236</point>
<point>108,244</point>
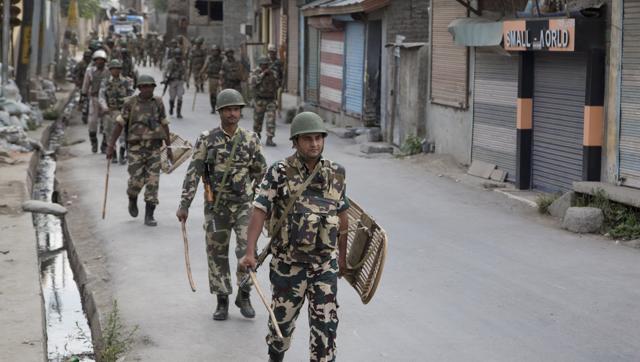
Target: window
<point>212,9</point>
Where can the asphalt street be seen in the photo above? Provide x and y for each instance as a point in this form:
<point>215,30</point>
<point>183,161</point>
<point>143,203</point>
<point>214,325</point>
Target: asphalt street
<point>470,275</point>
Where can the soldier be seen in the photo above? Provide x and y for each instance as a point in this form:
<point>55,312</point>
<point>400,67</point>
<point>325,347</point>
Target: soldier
<point>91,88</point>
<point>176,76</point>
<point>212,66</point>
<point>113,92</point>
<point>144,118</point>
<point>230,162</point>
<point>266,86</point>
<point>196,60</point>
<point>310,238</point>
<point>128,69</point>
<point>80,68</point>
<point>275,63</point>
<point>231,72</point>
<point>148,50</point>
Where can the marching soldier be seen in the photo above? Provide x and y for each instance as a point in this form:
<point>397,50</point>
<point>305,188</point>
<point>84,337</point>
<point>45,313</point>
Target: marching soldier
<point>230,162</point>
<point>144,118</point>
<point>212,66</point>
<point>266,86</point>
<point>231,72</point>
<point>128,69</point>
<point>197,59</point>
<point>113,92</point>
<point>81,68</point>
<point>91,89</point>
<point>274,63</point>
<point>176,76</point>
<point>305,196</point>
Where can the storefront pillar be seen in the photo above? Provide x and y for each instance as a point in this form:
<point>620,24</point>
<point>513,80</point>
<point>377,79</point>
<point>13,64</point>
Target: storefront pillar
<point>593,116</point>
<point>524,121</point>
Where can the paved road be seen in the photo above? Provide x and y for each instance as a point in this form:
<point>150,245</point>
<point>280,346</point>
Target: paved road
<point>470,274</point>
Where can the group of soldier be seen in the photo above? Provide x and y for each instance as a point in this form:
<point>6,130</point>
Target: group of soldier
<point>301,199</point>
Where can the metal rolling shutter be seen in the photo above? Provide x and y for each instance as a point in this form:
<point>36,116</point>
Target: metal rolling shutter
<point>630,96</point>
<point>558,114</point>
<point>449,84</point>
<point>354,71</point>
<point>312,75</point>
<point>495,110</point>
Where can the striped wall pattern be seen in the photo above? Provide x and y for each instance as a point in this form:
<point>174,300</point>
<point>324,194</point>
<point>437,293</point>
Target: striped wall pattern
<point>331,69</point>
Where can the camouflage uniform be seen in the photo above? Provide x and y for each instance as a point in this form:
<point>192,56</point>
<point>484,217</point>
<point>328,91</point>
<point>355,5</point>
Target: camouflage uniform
<point>304,263</point>
<point>212,66</point>
<point>127,66</point>
<point>197,58</point>
<point>231,74</point>
<point>266,90</point>
<point>79,71</point>
<point>276,66</point>
<point>143,120</point>
<point>211,152</point>
<point>176,74</point>
<point>113,92</point>
<point>91,87</point>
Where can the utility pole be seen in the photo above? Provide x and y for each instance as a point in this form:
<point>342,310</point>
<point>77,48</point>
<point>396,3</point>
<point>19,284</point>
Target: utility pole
<point>36,52</point>
<point>22,71</point>
<point>6,14</point>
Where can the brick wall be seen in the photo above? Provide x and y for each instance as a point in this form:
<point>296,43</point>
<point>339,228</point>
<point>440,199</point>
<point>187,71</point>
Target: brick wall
<point>409,18</point>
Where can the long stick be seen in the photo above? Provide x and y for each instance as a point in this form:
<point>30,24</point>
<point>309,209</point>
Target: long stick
<point>274,321</point>
<point>106,188</point>
<point>186,257</point>
<point>193,105</point>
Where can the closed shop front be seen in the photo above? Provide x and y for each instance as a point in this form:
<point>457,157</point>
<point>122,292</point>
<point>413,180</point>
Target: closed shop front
<point>630,96</point>
<point>558,120</point>
<point>312,67</point>
<point>494,110</point>
<point>331,69</point>
<point>354,67</point>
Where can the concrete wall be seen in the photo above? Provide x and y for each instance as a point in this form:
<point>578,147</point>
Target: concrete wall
<point>610,155</point>
<point>225,33</point>
<point>409,18</point>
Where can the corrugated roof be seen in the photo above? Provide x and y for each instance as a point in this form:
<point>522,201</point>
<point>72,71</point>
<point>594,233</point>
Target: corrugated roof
<point>336,7</point>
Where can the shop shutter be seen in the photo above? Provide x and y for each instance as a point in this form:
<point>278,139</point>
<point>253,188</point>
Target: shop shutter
<point>558,116</point>
<point>630,96</point>
<point>331,69</point>
<point>495,110</point>
<point>312,75</point>
<point>449,85</point>
<point>354,67</point>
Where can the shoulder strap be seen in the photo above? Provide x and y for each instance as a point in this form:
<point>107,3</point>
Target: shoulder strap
<point>294,197</point>
<point>227,166</point>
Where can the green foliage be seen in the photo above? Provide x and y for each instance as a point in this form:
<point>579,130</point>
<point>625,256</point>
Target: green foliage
<point>51,114</point>
<point>412,145</point>
<point>620,221</point>
<point>544,201</point>
<point>88,8</point>
<point>161,6</point>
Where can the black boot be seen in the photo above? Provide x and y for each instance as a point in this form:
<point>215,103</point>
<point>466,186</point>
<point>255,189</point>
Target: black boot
<point>275,356</point>
<point>148,215</point>
<point>244,303</point>
<point>123,158</point>
<point>222,310</point>
<point>179,109</point>
<point>212,101</point>
<point>270,142</point>
<point>133,206</point>
<point>94,142</point>
<point>103,145</point>
<point>171,108</point>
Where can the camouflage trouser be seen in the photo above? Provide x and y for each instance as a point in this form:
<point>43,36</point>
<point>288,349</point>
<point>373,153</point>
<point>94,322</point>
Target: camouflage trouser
<point>109,122</point>
<point>213,91</point>
<point>197,78</point>
<point>94,115</point>
<point>218,226</point>
<point>144,169</point>
<point>176,90</point>
<point>263,106</point>
<point>290,285</point>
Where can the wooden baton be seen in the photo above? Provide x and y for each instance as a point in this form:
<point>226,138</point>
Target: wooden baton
<point>186,256</point>
<point>106,188</point>
<point>274,321</point>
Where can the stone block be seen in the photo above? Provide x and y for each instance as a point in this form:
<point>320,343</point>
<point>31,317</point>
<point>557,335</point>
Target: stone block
<point>498,175</point>
<point>481,169</point>
<point>583,219</point>
<point>376,147</point>
<point>343,132</point>
<point>559,207</point>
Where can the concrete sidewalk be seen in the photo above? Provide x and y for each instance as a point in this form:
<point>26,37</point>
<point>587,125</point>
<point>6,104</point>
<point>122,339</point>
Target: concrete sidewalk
<point>22,336</point>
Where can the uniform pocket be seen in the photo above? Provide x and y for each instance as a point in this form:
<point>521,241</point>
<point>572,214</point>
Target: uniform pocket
<point>303,232</point>
<point>328,233</point>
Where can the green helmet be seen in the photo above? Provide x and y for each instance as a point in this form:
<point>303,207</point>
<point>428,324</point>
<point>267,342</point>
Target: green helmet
<point>177,52</point>
<point>228,51</point>
<point>146,80</point>
<point>115,63</point>
<point>263,60</point>
<point>307,122</point>
<point>229,97</point>
<point>87,54</point>
<point>199,40</point>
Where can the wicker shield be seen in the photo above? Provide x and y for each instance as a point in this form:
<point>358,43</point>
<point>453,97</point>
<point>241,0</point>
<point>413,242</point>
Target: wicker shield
<point>181,150</point>
<point>366,251</point>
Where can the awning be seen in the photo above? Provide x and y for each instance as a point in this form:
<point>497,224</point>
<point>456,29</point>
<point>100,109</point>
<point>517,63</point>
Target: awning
<point>476,32</point>
<point>340,7</point>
